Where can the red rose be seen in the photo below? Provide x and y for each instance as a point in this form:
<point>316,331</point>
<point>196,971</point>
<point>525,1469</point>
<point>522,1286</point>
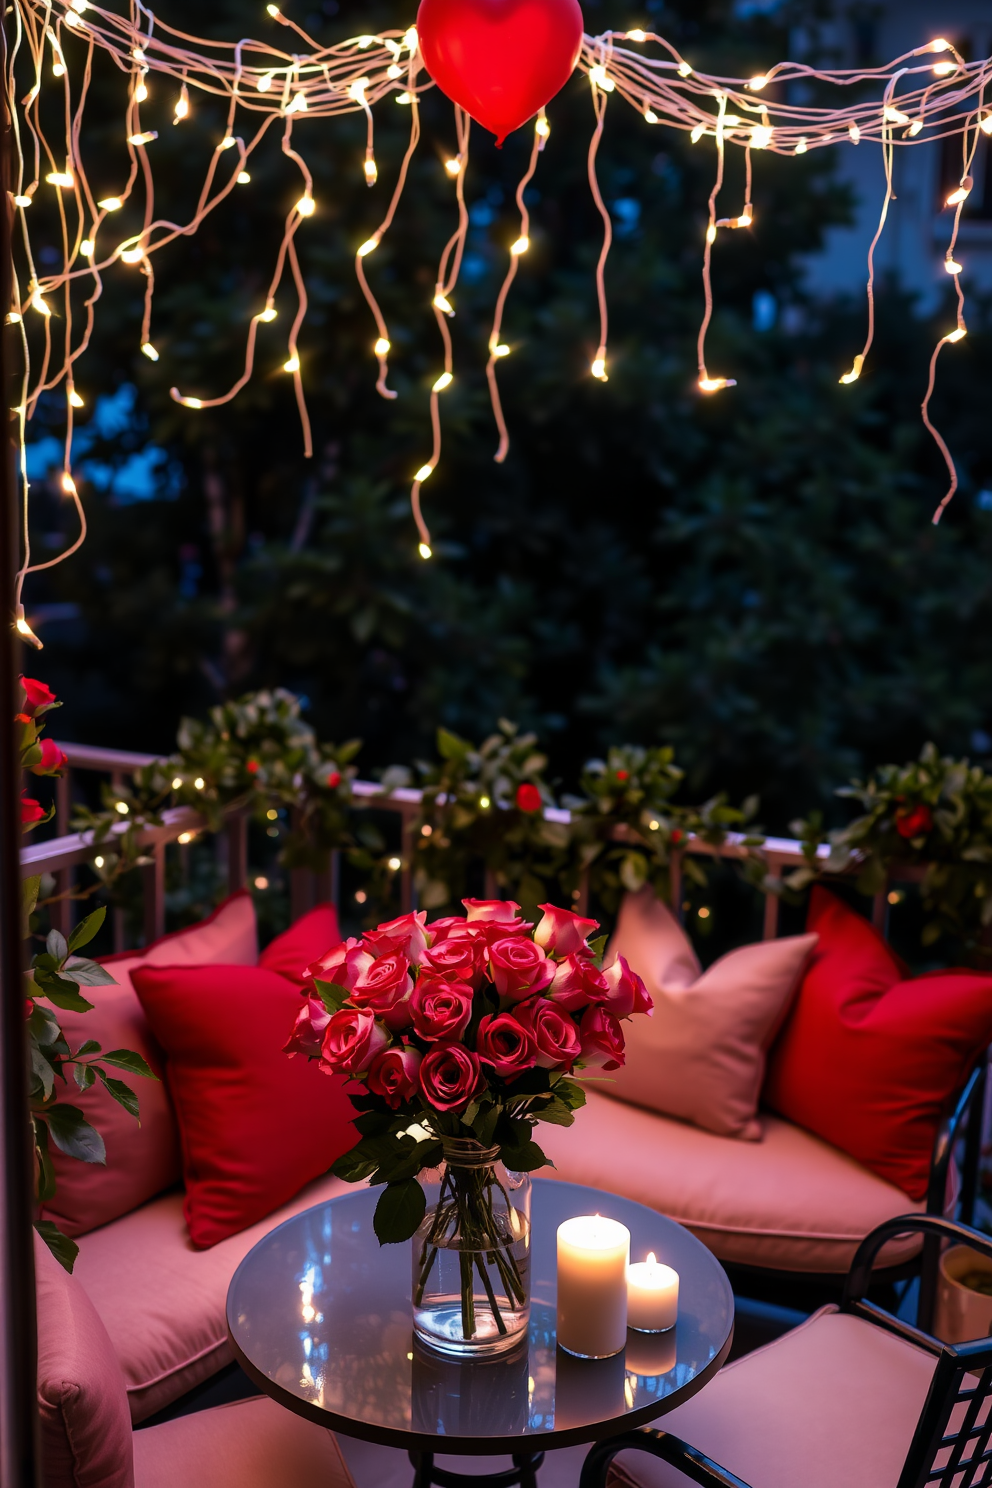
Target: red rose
<point>450,1076</point>
<point>506,1044</point>
<point>577,983</point>
<point>31,811</point>
<point>309,1029</point>
<point>623,774</point>
<point>462,957</point>
<point>343,964</point>
<point>677,835</point>
<point>393,1075</point>
<point>627,993</point>
<point>36,695</point>
<point>252,767</point>
<point>52,761</point>
<point>602,1040</point>
<point>384,988</point>
<point>561,932</point>
<point>491,909</point>
<point>914,821</point>
<point>528,797</point>
<point>440,1010</point>
<point>519,968</point>
<point>554,1033</point>
<point>352,1039</point>
<point>405,937</point>
<point>334,779</point>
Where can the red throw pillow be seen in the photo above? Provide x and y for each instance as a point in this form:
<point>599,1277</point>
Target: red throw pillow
<point>870,1060</point>
<point>298,947</point>
<point>255,1125</point>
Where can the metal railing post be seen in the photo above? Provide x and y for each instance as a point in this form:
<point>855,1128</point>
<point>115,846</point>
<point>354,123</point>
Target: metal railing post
<point>62,915</point>
<point>153,876</point>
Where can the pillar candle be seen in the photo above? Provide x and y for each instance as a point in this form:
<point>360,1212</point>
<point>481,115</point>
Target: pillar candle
<point>652,1296</point>
<point>593,1253</point>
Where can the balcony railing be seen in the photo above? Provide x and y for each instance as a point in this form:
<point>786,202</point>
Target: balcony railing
<point>62,854</point>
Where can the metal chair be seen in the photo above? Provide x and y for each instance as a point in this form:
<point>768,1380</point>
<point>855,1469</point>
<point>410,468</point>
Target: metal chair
<point>928,1403</point>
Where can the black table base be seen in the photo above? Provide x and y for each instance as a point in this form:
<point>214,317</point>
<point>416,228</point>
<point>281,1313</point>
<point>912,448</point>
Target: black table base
<point>523,1471</point>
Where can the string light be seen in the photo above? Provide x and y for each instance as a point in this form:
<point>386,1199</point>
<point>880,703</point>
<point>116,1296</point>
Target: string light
<point>141,92</point>
<point>60,178</point>
<point>542,127</point>
<point>855,371</point>
<point>145,138</point>
<point>442,303</point>
<point>369,246</point>
<point>961,193</point>
<point>424,550</point>
<point>520,246</point>
<point>423,473</point>
<point>650,117</point>
<point>75,399</point>
<point>452,167</point>
<point>715,384</point>
<point>292,365</point>
<point>243,178</point>
<point>381,347</point>
<point>22,201</point>
<point>110,204</point>
<point>597,76</point>
<point>758,82</point>
<point>761,136</point>
<point>952,266</point>
<point>182,105</point>
<point>684,70</point>
<point>132,255</point>
<point>598,369</point>
<point>269,313</point>
<point>985,125</point>
<point>306,206</point>
<point>443,382</point>
<point>149,351</point>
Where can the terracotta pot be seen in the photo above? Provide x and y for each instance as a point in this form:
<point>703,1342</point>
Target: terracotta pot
<point>962,1313</point>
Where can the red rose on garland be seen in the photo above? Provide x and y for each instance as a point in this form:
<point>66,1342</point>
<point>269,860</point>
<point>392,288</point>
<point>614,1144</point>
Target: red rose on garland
<point>914,821</point>
<point>528,797</point>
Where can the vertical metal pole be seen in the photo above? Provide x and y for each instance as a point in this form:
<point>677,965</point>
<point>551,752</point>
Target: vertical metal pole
<point>19,1455</point>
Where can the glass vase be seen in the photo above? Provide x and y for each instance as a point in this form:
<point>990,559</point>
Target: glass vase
<point>471,1254</point>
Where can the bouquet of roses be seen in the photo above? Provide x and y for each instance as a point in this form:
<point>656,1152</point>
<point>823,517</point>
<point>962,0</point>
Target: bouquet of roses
<point>467,1028</point>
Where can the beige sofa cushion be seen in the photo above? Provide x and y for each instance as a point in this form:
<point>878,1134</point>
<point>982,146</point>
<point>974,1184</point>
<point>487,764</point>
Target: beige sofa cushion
<point>790,1201</point>
<point>250,1444</point>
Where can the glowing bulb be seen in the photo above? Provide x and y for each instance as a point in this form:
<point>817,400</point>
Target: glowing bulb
<point>292,365</point>
<point>369,246</point>
<point>59,178</point>
<point>650,117</point>
<point>371,172</point>
<point>149,351</point>
<point>72,20</point>
<point>13,318</point>
<point>132,255</point>
<point>68,485</point>
<point>394,71</point>
<point>185,838</point>
<point>501,350</point>
<point>484,802</point>
<point>110,204</point>
<point>598,369</point>
<point>637,35</point>
<point>394,864</point>
<point>86,247</point>
<point>198,783</point>
<point>961,194</point>
<point>441,302</point>
<point>141,92</point>
<point>731,120</point>
<point>97,862</point>
<point>711,233</point>
<point>298,105</point>
<point>177,783</point>
<point>58,69</point>
<point>801,145</point>
<point>306,206</point>
<point>423,472</point>
<point>854,132</point>
<point>684,70</point>
<point>714,384</point>
<point>597,76</point>
<point>942,69</point>
<point>697,132</point>
<point>855,371</point>
<point>356,89</point>
<point>25,201</point>
<point>758,82</point>
<point>410,40</point>
<point>424,552</point>
<point>381,347</point>
<point>542,127</point>
<point>894,116</point>
<point>38,303</point>
<point>444,381</point>
<point>269,313</point>
<point>761,136</point>
<point>75,399</point>
<point>265,82</point>
<point>79,5</point>
<point>952,266</point>
<point>520,246</point>
<point>939,45</point>
<point>227,142</point>
<point>143,139</point>
<point>272,10</point>
<point>985,125</point>
<point>138,54</point>
<point>404,97</point>
<point>122,807</point>
<point>364,41</point>
<point>745,219</point>
<point>957,335</point>
<point>452,166</point>
<point>915,127</point>
<point>243,178</point>
<point>192,403</point>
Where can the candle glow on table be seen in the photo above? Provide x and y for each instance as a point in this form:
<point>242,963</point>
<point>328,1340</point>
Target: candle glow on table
<point>593,1253</point>
<point>652,1296</point>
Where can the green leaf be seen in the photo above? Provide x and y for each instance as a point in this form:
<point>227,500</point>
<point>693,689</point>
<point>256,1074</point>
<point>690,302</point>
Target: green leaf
<point>372,1123</point>
<point>46,1172</point>
<point>524,1159</point>
<point>399,1212</point>
<point>331,995</point>
<point>354,1165</point>
<point>127,1059</point>
<point>43,1072</point>
<point>89,1047</point>
<point>63,993</point>
<point>87,973</point>
<point>556,1112</point>
<point>55,944</point>
<point>122,1094</point>
<point>63,1249</point>
<point>484,1124</point>
<point>87,928</point>
<point>30,889</point>
<point>85,1075</point>
<point>450,747</point>
<point>73,1135</point>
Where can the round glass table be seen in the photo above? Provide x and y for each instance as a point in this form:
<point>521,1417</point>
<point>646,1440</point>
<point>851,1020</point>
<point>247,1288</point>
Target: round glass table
<point>320,1318</point>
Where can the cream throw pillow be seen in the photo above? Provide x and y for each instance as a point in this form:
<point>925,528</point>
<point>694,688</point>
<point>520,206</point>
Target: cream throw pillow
<point>701,1057</point>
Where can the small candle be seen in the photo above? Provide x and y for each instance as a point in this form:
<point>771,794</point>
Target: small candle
<point>593,1253</point>
<point>652,1296</point>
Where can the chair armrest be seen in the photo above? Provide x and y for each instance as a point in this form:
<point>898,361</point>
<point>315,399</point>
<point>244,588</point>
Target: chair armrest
<point>935,1229</point>
<point>966,1109</point>
<point>689,1460</point>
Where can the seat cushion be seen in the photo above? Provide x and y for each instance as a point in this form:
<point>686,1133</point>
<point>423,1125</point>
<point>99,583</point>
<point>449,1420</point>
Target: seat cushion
<point>870,1060</point>
<point>833,1404</point>
<point>701,1057</point>
<point>306,939</point>
<point>84,1421</point>
<point>249,1444</point>
<point>789,1202</point>
<point>142,1160</point>
<point>162,1301</point>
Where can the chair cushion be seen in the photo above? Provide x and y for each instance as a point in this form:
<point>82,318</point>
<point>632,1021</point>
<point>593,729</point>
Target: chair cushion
<point>701,1056</point>
<point>306,939</point>
<point>833,1404</point>
<point>789,1202</point>
<point>255,1123</point>
<point>141,1160</point>
<point>162,1301</point>
<point>249,1444</point>
<point>85,1426</point>
<point>868,1060</point>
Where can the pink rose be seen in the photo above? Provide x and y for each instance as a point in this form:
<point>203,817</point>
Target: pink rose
<point>450,1076</point>
<point>343,964</point>
<point>627,993</point>
<point>553,1032</point>
<point>36,695</point>
<point>491,909</point>
<point>519,968</point>
<point>462,957</point>
<point>309,1028</point>
<point>384,988</point>
<point>31,811</point>
<point>561,932</point>
<point>577,983</point>
<point>506,1044</point>
<point>52,761</point>
<point>406,937</point>
<point>352,1039</point>
<point>602,1040</point>
<point>440,1010</point>
<point>393,1075</point>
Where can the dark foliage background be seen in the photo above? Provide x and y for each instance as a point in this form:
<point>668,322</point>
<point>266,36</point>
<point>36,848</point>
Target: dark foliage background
<point>752,577</point>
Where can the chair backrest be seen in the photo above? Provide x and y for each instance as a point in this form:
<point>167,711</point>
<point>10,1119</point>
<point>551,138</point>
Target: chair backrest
<point>952,1443</point>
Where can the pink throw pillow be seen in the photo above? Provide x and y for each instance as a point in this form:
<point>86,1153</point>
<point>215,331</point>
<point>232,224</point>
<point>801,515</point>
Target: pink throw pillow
<point>701,1057</point>
<point>82,1400</point>
<point>298,947</point>
<point>141,1160</point>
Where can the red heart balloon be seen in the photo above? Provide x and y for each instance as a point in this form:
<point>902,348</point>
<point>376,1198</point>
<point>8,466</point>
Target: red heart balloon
<point>501,60</point>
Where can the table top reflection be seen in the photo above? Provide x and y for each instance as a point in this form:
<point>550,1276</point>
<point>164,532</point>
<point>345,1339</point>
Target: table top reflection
<point>320,1317</point>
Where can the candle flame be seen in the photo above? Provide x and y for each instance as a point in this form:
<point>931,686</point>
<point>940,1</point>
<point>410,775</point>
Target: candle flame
<point>652,1258</point>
